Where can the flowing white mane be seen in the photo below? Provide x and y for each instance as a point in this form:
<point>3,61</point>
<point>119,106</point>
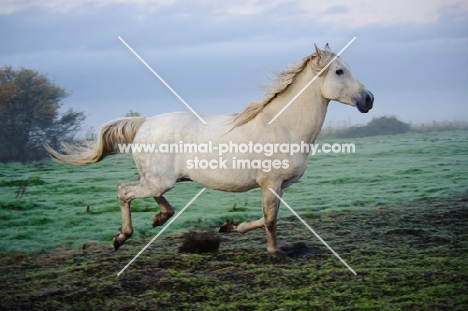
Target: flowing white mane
<point>280,83</point>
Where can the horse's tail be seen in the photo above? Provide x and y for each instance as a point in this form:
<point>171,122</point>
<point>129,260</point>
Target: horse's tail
<point>120,131</point>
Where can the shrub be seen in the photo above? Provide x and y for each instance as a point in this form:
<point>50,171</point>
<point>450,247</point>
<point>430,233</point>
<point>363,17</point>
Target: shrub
<point>378,126</point>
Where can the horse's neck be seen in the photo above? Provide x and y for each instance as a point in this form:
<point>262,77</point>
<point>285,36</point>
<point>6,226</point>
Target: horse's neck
<point>304,118</point>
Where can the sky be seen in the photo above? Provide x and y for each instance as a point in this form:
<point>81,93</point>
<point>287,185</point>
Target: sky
<point>411,54</point>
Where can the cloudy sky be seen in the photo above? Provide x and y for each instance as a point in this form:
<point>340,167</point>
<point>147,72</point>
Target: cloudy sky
<point>412,54</point>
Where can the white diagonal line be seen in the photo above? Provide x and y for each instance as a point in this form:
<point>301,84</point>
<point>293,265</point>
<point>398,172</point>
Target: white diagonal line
<point>162,80</point>
<point>313,79</point>
<point>312,230</point>
<point>160,232</point>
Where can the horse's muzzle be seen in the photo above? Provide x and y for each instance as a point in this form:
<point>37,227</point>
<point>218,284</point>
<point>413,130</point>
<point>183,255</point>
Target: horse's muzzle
<point>365,102</point>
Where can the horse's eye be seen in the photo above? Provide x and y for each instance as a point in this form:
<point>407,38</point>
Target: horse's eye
<point>339,72</point>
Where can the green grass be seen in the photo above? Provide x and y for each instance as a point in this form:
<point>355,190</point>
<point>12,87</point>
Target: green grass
<point>407,257</point>
<point>385,170</point>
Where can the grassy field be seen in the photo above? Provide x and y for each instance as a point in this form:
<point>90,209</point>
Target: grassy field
<point>407,257</point>
<point>396,210</point>
<point>384,170</point>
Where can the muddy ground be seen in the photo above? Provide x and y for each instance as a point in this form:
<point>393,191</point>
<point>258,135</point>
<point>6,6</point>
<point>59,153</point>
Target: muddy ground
<point>407,257</point>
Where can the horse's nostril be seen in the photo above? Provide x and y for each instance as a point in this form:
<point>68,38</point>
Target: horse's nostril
<point>368,99</point>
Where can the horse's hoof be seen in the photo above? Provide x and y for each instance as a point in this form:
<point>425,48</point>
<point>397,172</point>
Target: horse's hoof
<point>117,243</point>
<point>161,218</point>
<point>228,226</point>
<point>157,220</point>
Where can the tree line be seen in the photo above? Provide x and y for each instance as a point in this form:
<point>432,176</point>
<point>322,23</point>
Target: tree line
<point>386,125</point>
<point>391,125</point>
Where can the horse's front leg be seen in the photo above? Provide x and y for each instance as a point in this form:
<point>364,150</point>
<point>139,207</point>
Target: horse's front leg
<point>270,205</point>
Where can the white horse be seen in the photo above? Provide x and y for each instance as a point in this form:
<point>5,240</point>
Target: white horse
<point>299,123</point>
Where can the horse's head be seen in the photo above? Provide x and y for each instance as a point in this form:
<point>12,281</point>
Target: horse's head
<point>339,82</point>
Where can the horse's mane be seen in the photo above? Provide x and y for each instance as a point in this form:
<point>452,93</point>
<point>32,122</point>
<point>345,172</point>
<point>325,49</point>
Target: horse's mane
<point>280,83</point>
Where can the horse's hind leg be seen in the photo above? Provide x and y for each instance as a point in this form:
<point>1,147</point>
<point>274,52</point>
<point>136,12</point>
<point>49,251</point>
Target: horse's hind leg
<point>166,211</point>
<point>127,191</point>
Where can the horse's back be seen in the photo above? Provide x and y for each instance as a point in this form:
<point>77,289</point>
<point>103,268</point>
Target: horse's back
<point>182,126</point>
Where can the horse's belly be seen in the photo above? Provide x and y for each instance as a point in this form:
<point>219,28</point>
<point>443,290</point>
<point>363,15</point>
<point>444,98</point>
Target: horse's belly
<point>227,180</point>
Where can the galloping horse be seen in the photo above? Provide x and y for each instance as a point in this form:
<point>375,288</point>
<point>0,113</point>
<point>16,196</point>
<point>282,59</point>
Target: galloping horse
<point>299,123</point>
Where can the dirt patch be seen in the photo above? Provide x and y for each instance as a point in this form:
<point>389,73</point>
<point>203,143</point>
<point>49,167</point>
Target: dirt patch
<point>200,242</point>
<point>408,257</point>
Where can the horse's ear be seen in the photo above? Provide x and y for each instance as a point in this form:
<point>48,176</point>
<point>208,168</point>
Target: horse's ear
<point>318,52</point>
<point>327,48</point>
